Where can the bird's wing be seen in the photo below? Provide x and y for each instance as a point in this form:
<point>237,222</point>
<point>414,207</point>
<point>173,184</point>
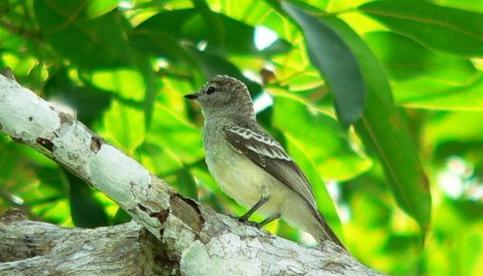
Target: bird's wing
<point>261,148</point>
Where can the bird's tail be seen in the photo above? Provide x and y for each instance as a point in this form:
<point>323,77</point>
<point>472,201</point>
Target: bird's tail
<point>327,232</point>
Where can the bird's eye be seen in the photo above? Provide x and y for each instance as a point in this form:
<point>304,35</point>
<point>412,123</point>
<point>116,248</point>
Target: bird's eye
<point>210,90</point>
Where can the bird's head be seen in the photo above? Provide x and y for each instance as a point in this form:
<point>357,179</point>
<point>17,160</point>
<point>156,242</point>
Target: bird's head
<point>224,95</point>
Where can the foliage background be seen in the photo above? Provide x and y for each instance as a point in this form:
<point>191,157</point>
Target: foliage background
<point>405,179</point>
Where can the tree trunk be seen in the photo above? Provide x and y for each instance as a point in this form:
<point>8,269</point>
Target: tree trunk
<point>187,238</point>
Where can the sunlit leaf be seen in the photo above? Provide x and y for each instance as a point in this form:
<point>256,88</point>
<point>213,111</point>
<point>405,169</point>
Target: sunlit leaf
<point>124,126</point>
<point>405,59</point>
<point>441,28</point>
<point>451,126</point>
<point>462,4</point>
<point>175,134</point>
<point>427,79</point>
<point>382,129</point>
<point>100,7</point>
<point>324,201</point>
<point>128,83</point>
<point>320,137</point>
<point>431,95</point>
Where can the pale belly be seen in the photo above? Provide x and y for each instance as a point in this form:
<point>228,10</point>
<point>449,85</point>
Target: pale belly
<point>245,182</point>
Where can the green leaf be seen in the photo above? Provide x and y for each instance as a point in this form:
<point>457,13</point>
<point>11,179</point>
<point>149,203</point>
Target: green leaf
<point>87,42</point>
<point>150,37</point>
<point>311,128</point>
<point>324,202</point>
<point>463,127</point>
<point>470,5</point>
<point>189,24</point>
<point>425,79</point>
<point>333,58</point>
<point>124,126</point>
<point>382,129</point>
<point>176,136</point>
<point>319,146</point>
<point>100,7</point>
<point>128,83</point>
<point>152,87</point>
<point>186,184</point>
<point>422,94</point>
<point>88,102</point>
<point>216,32</point>
<point>441,28</point>
<point>405,59</point>
<point>213,65</point>
<point>85,210</point>
<point>121,217</point>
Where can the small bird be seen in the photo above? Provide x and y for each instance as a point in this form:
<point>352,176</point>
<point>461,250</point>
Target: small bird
<point>250,165</point>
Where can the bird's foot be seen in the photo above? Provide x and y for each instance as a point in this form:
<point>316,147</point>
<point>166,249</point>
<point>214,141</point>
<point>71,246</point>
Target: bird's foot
<point>245,220</point>
<point>259,225</point>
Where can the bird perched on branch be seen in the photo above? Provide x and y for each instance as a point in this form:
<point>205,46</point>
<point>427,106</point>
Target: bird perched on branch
<point>250,165</point>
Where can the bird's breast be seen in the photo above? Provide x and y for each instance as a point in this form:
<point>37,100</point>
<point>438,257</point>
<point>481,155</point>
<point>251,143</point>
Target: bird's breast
<point>239,177</point>
<point>236,175</point>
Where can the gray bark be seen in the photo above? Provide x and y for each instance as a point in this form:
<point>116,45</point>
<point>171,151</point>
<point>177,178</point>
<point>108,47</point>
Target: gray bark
<point>196,239</point>
<point>38,248</point>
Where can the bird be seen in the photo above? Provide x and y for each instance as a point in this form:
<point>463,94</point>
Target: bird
<point>250,165</point>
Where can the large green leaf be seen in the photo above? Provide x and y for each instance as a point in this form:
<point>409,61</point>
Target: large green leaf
<point>462,127</point>
<point>467,97</point>
<point>175,136</point>
<point>426,79</point>
<point>87,42</point>
<point>124,125</point>
<point>383,130</point>
<point>324,201</point>
<point>331,56</point>
<point>319,146</point>
<point>469,5</point>
<point>319,136</point>
<point>405,59</point>
<point>445,29</point>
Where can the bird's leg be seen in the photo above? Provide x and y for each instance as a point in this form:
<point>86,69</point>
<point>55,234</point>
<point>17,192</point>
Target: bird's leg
<point>252,210</point>
<point>268,220</point>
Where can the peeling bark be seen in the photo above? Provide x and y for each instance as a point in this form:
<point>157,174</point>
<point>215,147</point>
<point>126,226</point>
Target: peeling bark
<point>37,248</point>
<point>193,236</point>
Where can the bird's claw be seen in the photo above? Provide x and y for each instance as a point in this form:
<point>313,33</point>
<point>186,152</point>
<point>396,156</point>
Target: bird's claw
<point>246,221</point>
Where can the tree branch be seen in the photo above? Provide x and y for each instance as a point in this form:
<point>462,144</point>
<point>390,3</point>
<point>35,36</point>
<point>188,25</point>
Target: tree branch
<point>201,241</point>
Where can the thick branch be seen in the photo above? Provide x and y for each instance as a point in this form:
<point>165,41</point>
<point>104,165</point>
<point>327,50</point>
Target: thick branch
<point>37,248</point>
<point>196,237</point>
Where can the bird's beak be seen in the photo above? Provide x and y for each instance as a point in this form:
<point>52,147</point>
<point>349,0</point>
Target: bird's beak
<point>193,96</point>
